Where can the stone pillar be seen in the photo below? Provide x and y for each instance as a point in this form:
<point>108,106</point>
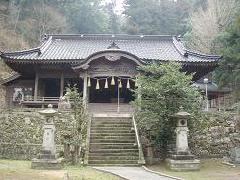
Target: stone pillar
<point>182,137</point>
<point>61,84</point>
<point>85,99</point>
<point>149,153</point>
<point>36,86</point>
<point>48,138</point>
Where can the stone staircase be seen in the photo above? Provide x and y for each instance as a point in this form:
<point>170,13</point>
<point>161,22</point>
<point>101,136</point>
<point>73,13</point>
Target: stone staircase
<point>112,141</point>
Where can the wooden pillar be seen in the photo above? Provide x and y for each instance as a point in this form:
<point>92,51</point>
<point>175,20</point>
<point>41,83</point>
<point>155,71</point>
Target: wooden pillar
<point>36,86</point>
<point>139,96</point>
<point>85,78</point>
<point>61,85</point>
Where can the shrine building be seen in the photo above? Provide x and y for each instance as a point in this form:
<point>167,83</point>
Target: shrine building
<point>99,65</point>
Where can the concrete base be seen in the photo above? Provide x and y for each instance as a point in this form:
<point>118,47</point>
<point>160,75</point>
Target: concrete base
<point>49,164</point>
<point>183,165</point>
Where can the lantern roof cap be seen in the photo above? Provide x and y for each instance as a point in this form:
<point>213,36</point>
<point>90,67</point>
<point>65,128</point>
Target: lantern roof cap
<point>182,113</point>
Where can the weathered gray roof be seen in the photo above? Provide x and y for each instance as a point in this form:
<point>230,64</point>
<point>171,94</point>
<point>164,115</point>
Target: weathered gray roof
<point>76,48</point>
<point>11,77</point>
<point>212,87</point>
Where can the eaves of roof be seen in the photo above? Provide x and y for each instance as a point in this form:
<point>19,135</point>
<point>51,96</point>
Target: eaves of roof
<point>74,49</point>
<point>10,78</point>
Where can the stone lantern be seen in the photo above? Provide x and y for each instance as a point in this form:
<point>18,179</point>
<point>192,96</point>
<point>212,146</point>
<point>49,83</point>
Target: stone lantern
<point>182,159</point>
<point>47,158</point>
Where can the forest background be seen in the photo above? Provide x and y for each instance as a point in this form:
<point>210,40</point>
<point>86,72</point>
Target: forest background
<point>209,26</point>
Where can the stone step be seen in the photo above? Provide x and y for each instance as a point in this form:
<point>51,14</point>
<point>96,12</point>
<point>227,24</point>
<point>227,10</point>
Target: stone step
<point>112,128</point>
<point>112,140</point>
<point>113,109</point>
<point>106,158</point>
<point>111,131</point>
<point>113,137</point>
<point>112,145</point>
<point>102,150</point>
<point>117,165</point>
<point>110,125</point>
<point>122,153</point>
<point>97,108</point>
<point>96,123</point>
<point>112,161</point>
<point>111,134</point>
<point>112,119</point>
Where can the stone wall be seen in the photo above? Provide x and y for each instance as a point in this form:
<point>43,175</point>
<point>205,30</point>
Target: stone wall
<point>217,134</point>
<point>21,132</point>
<point>213,137</point>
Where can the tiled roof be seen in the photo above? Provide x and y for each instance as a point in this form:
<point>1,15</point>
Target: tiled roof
<point>212,87</point>
<point>76,48</point>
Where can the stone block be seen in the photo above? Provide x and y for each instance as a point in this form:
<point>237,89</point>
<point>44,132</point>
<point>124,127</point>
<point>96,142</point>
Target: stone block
<point>183,165</point>
<point>182,156</point>
<point>48,164</point>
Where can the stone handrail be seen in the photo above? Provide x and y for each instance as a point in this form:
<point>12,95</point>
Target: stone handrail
<point>141,159</point>
<point>88,141</point>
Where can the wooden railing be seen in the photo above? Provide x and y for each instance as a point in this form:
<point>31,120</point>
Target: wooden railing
<point>141,159</point>
<point>39,101</point>
<point>31,98</point>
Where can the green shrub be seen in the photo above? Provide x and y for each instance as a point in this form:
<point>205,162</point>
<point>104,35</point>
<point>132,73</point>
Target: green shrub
<point>164,89</point>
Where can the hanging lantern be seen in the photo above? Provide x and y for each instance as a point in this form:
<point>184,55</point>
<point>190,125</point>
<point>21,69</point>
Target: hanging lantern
<point>112,81</point>
<point>89,82</point>
<point>97,85</point>
<point>128,84</point>
<point>106,84</point>
<point>120,83</point>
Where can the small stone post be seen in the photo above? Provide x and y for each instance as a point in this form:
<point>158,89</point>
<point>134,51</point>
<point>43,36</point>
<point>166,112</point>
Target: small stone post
<point>182,159</point>
<point>47,158</point>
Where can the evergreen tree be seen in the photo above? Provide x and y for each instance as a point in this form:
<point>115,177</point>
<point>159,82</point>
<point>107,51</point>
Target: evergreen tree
<point>164,89</point>
<point>85,16</point>
<point>156,16</point>
<point>228,73</point>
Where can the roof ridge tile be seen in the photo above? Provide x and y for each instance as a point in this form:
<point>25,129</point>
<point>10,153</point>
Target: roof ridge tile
<point>45,45</point>
<point>110,36</point>
<point>179,46</point>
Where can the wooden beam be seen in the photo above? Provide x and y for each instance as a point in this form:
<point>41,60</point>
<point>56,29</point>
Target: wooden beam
<point>85,78</point>
<point>36,86</point>
<point>61,84</point>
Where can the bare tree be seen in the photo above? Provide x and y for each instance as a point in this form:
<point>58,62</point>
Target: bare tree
<point>208,23</point>
<point>48,20</point>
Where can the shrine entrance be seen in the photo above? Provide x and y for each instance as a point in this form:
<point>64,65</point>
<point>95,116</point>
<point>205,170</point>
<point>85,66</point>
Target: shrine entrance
<point>109,77</point>
<point>109,89</point>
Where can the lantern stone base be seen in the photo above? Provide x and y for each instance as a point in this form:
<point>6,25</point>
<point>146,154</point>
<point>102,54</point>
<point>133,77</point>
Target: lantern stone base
<point>47,161</point>
<point>48,164</point>
<point>183,165</point>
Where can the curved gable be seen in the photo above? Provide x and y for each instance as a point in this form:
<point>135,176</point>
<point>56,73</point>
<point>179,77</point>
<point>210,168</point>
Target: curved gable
<point>109,55</point>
